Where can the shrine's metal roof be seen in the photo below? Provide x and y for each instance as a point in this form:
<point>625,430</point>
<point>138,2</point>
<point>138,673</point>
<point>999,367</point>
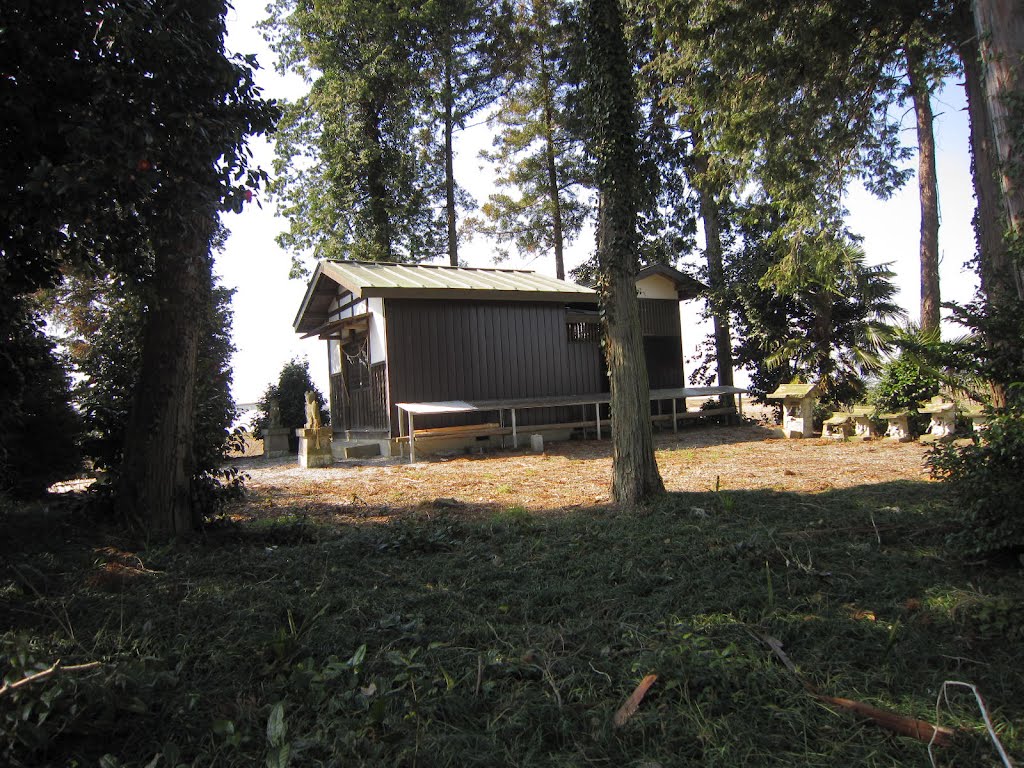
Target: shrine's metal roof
<point>428,281</point>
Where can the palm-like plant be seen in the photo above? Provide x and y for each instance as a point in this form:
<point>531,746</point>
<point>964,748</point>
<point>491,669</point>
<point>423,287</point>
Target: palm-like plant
<point>842,326</point>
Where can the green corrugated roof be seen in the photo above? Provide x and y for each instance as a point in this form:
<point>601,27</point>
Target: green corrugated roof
<point>427,281</point>
<point>378,279</point>
<point>794,390</point>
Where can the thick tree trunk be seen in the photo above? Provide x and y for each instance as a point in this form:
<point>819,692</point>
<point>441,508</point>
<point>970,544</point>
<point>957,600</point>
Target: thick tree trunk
<point>995,269</point>
<point>449,170</point>
<point>999,25</point>
<point>635,477</point>
<point>155,486</point>
<point>716,276</point>
<point>554,190</point>
<point>927,190</point>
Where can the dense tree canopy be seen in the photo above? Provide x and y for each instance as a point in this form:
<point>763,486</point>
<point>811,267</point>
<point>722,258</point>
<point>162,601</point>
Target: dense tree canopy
<point>127,137</point>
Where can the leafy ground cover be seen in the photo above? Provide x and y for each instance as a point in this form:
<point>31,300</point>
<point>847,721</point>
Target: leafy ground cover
<point>496,611</point>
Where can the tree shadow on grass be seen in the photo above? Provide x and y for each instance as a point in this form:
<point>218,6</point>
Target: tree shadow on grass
<point>488,634</point>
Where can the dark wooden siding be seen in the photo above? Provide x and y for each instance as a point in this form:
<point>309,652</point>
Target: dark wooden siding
<point>659,317</point>
<point>465,350</point>
<point>664,357</point>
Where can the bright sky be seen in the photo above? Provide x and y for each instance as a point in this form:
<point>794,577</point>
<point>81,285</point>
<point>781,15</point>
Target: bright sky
<point>266,300</point>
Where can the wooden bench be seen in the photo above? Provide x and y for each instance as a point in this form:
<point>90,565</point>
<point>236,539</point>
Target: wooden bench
<point>464,430</point>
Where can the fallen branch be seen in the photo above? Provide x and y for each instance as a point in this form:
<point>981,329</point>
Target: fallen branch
<point>630,705</point>
<point>43,674</point>
<point>904,725</point>
<point>892,721</point>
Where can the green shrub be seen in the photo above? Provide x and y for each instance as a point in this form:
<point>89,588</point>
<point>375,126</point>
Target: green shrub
<point>106,319</point>
<point>38,427</point>
<point>987,478</point>
<point>903,385</point>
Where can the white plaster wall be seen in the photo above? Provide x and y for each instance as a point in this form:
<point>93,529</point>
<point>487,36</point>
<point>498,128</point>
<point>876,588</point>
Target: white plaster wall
<point>378,331</point>
<point>656,287</point>
<point>334,355</point>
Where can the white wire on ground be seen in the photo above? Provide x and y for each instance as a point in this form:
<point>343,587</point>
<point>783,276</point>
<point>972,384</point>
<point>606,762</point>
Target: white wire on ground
<point>944,694</point>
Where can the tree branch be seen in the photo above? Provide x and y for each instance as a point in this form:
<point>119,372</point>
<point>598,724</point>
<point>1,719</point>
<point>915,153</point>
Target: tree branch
<point>55,667</point>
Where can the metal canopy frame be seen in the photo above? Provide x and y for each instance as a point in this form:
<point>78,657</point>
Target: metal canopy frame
<point>597,400</point>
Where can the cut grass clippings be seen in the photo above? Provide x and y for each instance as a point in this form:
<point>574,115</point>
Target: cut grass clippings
<point>489,633</point>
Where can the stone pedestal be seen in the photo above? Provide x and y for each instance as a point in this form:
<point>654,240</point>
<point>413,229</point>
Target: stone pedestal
<point>798,402</point>
<point>315,447</point>
<point>275,442</point>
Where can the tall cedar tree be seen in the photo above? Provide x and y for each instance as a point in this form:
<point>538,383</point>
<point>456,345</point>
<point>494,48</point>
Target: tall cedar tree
<point>999,25</point>
<point>540,157</point>
<point>356,172</point>
<point>794,97</point>
<point>927,184</point>
<point>124,132</point>
<point>468,50</point>
<point>612,121</point>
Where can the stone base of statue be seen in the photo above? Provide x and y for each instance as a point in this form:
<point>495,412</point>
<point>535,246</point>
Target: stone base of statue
<point>315,447</point>
<point>275,442</point>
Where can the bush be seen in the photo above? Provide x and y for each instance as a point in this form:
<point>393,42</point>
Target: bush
<point>38,427</point>
<point>290,392</point>
<point>903,385</point>
<point>987,478</point>
<point>107,318</point>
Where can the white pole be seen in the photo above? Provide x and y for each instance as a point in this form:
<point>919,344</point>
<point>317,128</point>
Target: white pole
<point>412,440</point>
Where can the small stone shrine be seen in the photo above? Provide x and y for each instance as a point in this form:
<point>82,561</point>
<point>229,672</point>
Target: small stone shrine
<point>979,419</point>
<point>275,437</point>
<point>797,409</point>
<point>943,420</point>
<point>864,422</point>
<point>838,427</point>
<point>899,426</point>
<point>314,438</point>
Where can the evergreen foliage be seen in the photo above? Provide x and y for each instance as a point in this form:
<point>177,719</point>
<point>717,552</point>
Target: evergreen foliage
<point>544,174</point>
<point>987,478</point>
<point>105,318</point>
<point>903,385</point>
<point>831,325</point>
<point>357,176</point>
<point>38,426</point>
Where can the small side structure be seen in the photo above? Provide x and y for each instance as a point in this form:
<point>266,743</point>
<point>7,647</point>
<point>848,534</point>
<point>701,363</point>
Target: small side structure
<point>839,426</point>
<point>417,333</point>
<point>942,426</point>
<point>863,422</point>
<point>898,430</point>
<point>798,401</point>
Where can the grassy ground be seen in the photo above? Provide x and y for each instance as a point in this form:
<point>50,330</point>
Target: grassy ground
<point>492,634</point>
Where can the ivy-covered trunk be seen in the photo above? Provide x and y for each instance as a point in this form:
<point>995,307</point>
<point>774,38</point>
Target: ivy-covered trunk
<point>635,476</point>
<point>451,214</point>
<point>155,490</point>
<point>999,25</point>
<point>709,214</point>
<point>927,190</point>
<point>550,156</point>
<point>995,269</point>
